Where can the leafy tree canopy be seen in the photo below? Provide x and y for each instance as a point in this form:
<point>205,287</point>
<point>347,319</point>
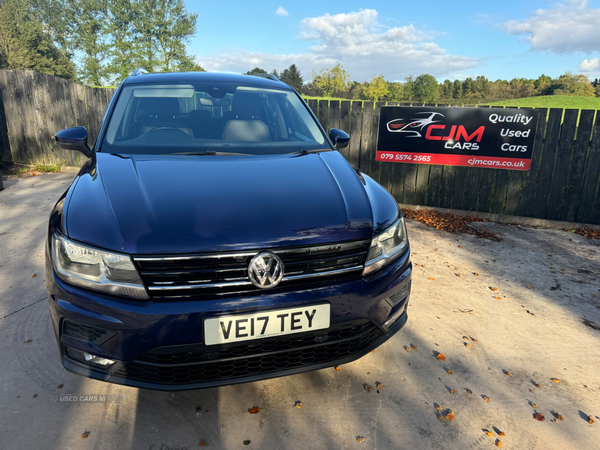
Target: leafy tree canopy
<point>255,71</point>
<point>331,80</point>
<point>376,89</point>
<point>24,44</point>
<point>293,77</point>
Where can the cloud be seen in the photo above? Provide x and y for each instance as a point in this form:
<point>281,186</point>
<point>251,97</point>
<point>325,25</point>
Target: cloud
<point>360,43</point>
<point>589,66</point>
<point>565,28</point>
<point>281,11</point>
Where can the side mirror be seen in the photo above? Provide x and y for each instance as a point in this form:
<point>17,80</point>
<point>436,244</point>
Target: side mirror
<point>340,138</point>
<point>74,139</point>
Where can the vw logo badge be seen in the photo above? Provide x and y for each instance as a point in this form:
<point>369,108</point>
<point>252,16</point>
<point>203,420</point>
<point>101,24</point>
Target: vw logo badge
<point>265,270</point>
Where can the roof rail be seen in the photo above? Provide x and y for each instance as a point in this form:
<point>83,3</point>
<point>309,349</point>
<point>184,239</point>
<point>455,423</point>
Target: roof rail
<point>137,72</point>
<point>270,76</point>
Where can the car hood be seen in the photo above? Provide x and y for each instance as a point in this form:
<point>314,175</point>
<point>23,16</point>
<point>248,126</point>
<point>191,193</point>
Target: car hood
<point>147,204</point>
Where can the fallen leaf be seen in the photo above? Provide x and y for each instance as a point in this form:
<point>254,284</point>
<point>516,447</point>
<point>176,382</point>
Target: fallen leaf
<point>508,374</point>
<point>254,410</point>
<point>431,279</point>
<point>85,434</point>
<point>28,341</point>
<point>493,288</point>
<point>469,391</point>
<point>60,386</point>
<point>450,372</point>
<point>247,442</point>
<point>487,399</point>
<point>368,387</point>
<point>379,385</point>
<point>439,407</point>
<point>556,380</point>
<point>533,405</point>
<point>489,433</point>
<point>338,368</point>
<point>502,434</point>
<point>441,418</point>
<point>298,404</point>
<point>452,391</point>
<point>590,420</point>
<point>450,415</point>
<point>466,338</point>
<point>476,340</point>
<point>360,439</point>
<point>414,346</point>
<point>408,349</point>
<point>34,275</point>
<point>539,417</point>
<point>538,385</point>
<point>202,444</point>
<point>476,274</point>
<point>594,295</point>
<point>498,441</point>
<point>467,344</point>
<point>34,395</point>
<point>441,357</point>
<point>498,298</point>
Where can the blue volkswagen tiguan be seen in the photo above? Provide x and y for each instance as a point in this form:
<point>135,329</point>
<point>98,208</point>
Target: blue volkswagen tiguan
<point>215,236</point>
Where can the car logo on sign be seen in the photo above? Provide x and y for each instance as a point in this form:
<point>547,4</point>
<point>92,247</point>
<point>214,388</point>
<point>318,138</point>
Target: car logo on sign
<point>265,270</point>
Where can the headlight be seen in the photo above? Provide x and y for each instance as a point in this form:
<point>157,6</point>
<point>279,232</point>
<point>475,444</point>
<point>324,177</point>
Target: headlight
<point>102,271</point>
<point>386,247</point>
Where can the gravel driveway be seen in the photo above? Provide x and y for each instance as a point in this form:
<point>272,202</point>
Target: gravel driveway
<point>508,315</point>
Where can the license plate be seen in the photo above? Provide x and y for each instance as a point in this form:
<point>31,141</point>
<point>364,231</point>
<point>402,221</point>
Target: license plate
<point>245,327</point>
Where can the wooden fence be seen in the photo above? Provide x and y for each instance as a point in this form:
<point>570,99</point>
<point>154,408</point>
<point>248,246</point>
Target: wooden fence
<point>34,106</point>
<point>562,184</point>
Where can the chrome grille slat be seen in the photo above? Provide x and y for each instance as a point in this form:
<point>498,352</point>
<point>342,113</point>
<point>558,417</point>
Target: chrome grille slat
<point>217,274</point>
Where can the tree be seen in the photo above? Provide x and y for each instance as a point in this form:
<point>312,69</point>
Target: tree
<point>24,44</point>
<point>447,89</point>
<point>255,71</point>
<point>395,92</point>
<point>542,84</point>
<point>570,84</point>
<point>597,90</point>
<point>458,90</point>
<point>409,87</point>
<point>376,89</point>
<point>293,77</point>
<point>111,38</point>
<point>329,81</point>
<point>426,88</point>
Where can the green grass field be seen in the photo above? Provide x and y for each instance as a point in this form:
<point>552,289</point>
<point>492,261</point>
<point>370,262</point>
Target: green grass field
<point>553,101</point>
<point>543,101</point>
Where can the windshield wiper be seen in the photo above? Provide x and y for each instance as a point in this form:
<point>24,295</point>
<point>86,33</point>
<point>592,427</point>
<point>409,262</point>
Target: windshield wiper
<point>317,150</point>
<point>209,152</point>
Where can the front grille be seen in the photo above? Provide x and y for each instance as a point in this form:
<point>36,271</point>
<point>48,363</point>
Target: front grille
<point>200,364</point>
<point>227,273</point>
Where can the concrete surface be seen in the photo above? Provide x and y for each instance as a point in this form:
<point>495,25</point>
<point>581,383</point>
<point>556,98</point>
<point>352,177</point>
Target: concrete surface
<point>536,334</point>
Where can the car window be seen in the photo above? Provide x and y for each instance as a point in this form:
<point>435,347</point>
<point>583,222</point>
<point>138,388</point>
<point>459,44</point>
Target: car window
<point>181,118</point>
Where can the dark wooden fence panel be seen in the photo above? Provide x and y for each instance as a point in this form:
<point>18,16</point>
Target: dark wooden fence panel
<point>35,106</point>
<point>562,184</point>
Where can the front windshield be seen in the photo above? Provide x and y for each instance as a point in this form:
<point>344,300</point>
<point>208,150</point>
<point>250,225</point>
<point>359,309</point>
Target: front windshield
<point>209,117</point>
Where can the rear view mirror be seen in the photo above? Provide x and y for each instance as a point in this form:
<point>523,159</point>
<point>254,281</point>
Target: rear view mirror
<point>74,139</point>
<point>339,138</point>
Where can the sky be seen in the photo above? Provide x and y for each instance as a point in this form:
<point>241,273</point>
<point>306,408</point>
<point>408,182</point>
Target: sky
<point>500,39</point>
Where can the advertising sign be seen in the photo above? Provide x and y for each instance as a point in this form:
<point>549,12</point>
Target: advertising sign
<point>495,138</point>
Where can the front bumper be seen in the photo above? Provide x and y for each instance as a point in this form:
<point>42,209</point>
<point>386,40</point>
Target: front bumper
<point>159,345</point>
